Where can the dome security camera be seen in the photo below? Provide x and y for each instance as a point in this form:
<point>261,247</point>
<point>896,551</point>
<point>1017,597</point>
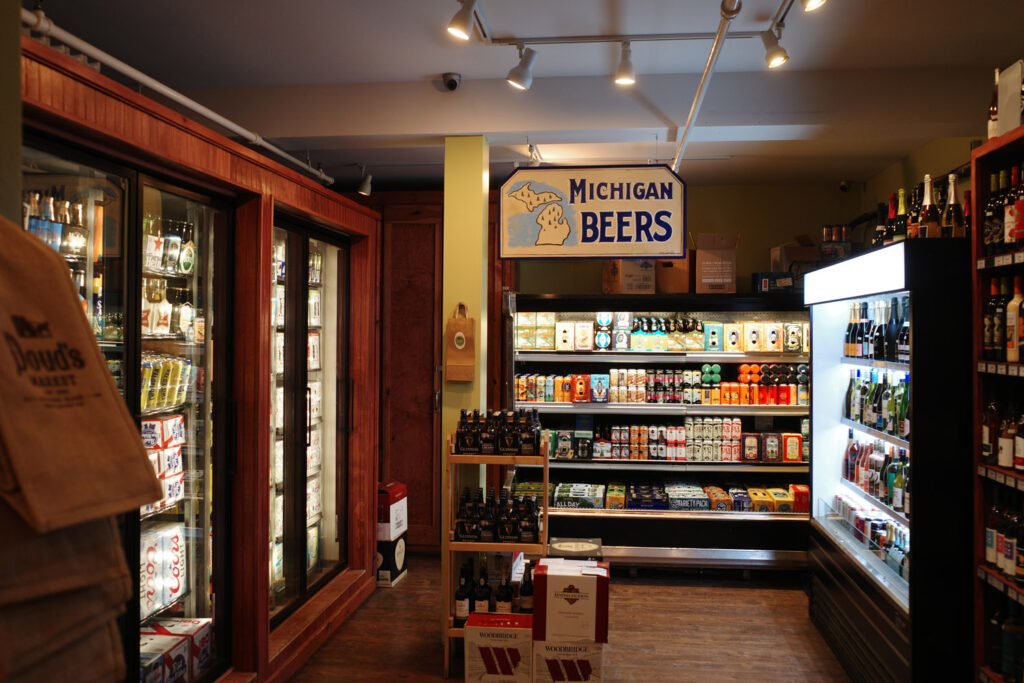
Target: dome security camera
<point>451,80</point>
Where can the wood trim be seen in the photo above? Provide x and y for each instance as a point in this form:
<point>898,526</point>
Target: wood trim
<point>251,506</point>
<point>300,635</point>
<point>232,676</point>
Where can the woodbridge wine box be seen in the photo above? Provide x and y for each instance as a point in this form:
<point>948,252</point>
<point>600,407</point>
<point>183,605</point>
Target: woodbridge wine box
<point>499,648</point>
<point>568,661</point>
<point>570,600</point>
<point>392,511</point>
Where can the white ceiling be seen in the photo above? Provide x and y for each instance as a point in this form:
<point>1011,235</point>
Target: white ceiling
<point>359,83</point>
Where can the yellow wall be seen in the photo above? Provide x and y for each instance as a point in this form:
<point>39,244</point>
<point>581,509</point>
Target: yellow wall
<point>764,216</point>
<point>10,110</point>
<point>936,157</point>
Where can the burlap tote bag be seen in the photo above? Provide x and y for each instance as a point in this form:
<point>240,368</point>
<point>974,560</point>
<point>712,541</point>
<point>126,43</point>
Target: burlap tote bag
<point>69,449</point>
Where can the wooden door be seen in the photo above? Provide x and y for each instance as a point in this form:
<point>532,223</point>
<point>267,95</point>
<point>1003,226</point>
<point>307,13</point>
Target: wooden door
<point>411,339</point>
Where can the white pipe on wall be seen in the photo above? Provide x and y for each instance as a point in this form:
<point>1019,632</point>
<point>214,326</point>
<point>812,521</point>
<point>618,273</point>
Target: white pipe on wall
<point>40,23</point>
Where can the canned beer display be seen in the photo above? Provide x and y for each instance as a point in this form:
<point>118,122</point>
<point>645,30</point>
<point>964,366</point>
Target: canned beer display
<point>750,384</point>
<point>692,496</point>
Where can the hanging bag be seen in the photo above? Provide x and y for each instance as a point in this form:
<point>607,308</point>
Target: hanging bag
<point>460,351</point>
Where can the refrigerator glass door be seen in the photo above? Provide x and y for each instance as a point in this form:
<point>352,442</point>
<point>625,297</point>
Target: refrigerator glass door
<point>178,591</point>
<point>80,212</point>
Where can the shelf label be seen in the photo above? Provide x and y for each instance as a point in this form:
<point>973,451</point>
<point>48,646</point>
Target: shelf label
<point>981,366</point>
<point>990,474</point>
<point>981,573</point>
<point>1013,370</point>
<point>1012,594</point>
<point>991,367</point>
<point>1020,484</point>
<point>1004,260</point>
<point>981,471</point>
<point>981,263</point>
<point>1018,257</point>
<point>1001,368</point>
<point>995,583</point>
<point>1000,479</point>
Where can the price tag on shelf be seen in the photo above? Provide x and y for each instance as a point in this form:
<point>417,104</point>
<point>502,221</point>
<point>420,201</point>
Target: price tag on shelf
<point>981,470</point>
<point>991,367</point>
<point>991,474</point>
<point>1001,368</point>
<point>1020,484</point>
<point>981,263</point>
<point>1013,594</point>
<point>981,366</point>
<point>995,583</point>
<point>1004,260</point>
<point>1018,257</point>
<point>981,573</point>
<point>1013,370</point>
<point>999,478</point>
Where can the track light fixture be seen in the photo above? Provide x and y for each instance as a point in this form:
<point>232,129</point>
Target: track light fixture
<point>774,54</point>
<point>364,187</point>
<point>461,25</point>
<point>625,74</point>
<point>811,5</point>
<point>521,75</point>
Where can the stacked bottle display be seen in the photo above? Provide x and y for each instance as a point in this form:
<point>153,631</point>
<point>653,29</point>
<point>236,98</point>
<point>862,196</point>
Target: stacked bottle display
<point>753,384</point>
<point>1004,639</point>
<point>888,540</point>
<point>879,330</point>
<point>507,432</point>
<point>932,212</point>
<point>1001,333</point>
<point>497,520</point>
<point>1003,230</point>
<point>880,400</point>
<point>479,596</point>
<point>1004,535</point>
<point>1002,433</point>
<point>880,470</point>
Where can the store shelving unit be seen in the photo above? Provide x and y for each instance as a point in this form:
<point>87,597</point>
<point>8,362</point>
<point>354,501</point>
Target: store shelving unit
<point>875,608</point>
<point>452,463</point>
<point>992,590</point>
<point>677,538</point>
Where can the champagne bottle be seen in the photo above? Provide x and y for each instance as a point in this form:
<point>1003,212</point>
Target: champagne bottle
<point>930,218</point>
<point>900,226</point>
<point>952,215</point>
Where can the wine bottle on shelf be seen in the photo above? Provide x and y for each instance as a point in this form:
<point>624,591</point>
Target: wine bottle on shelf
<point>1018,445</point>
<point>999,321</point>
<point>892,328</point>
<point>899,481</point>
<point>903,338</point>
<point>526,590</point>
<point>993,109</point>
<point>482,594</point>
<point>851,325</point>
<point>503,597</point>
<point>952,215</point>
<point>879,335</point>
<point>988,340</point>
<point>968,213</point>
<point>860,343</point>
<point>1007,435</point>
<point>914,213</point>
<point>462,603</point>
<point>1010,538</point>
<point>930,218</point>
<point>990,434</point>
<point>890,222</point>
<point>881,226</point>
<point>1012,226</point>
<point>991,522</point>
<point>1012,316</point>
<point>857,399</point>
<point>900,225</point>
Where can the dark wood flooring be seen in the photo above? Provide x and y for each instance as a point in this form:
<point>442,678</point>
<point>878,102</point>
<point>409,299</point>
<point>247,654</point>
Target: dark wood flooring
<point>664,626</point>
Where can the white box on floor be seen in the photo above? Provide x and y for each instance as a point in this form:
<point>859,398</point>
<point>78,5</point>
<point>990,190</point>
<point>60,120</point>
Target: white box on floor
<point>499,648</point>
<point>174,651</point>
<point>392,511</point>
<point>391,561</point>
<point>570,600</point>
<point>200,636</point>
<point>567,661</point>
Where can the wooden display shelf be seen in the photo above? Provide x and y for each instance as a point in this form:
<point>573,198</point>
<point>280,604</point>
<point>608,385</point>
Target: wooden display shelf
<point>987,675</point>
<point>471,547</point>
<point>997,580</point>
<point>1002,475</point>
<point>534,460</point>
<point>998,368</point>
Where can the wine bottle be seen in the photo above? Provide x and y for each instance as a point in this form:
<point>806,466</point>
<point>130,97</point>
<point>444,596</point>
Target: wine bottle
<point>526,590</point>
<point>1012,323</point>
<point>899,483</point>
<point>903,339</point>
<point>930,218</point>
<point>991,521</point>
<point>988,340</point>
<point>1013,227</point>
<point>879,337</point>
<point>993,109</point>
<point>900,225</point>
<point>952,215</point>
<point>482,594</point>
<point>881,225</point>
<point>462,603</point>
<point>1018,445</point>
<point>851,326</point>
<point>891,329</point>
<point>999,320</point>
<point>990,433</point>
<point>1007,436</point>
<point>890,221</point>
<point>914,216</point>
<point>990,227</point>
<point>850,391</point>
<point>503,597</point>
<point>860,343</point>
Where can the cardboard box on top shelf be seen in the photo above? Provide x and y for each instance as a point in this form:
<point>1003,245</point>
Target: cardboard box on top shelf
<point>628,276</point>
<point>716,262</point>
<point>674,276</point>
<point>800,250</point>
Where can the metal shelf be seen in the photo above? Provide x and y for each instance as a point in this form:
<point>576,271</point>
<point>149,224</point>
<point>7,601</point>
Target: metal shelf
<point>896,515</point>
<point>894,440</point>
<point>704,557</point>
<point>695,515</point>
<point>660,409</point>
<point>872,363</point>
<point>676,466</point>
<point>640,357</point>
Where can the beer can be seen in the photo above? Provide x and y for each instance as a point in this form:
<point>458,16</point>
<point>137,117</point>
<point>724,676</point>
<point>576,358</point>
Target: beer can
<point>688,428</point>
<point>706,450</point>
<point>631,377</point>
<point>549,388</point>
<point>615,434</point>
<point>613,377</point>
<point>147,378</point>
<point>641,436</point>
<point>662,451</point>
<point>663,433</point>
<point>631,396</point>
<point>634,452</point>
<point>616,451</point>
<point>641,377</point>
<point>805,429</point>
<point>634,435</point>
<point>542,389</point>
<point>792,394</point>
<point>716,428</point>
<point>716,450</point>
<point>531,388</point>
<point>652,434</point>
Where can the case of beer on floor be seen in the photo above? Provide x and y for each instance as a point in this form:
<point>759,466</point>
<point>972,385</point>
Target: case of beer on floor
<point>998,447</point>
<point>151,300</point>
<point>668,421</point>
<point>886,432</point>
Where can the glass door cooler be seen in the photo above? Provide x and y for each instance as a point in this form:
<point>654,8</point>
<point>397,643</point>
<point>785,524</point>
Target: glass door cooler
<point>310,415</point>
<point>891,424</point>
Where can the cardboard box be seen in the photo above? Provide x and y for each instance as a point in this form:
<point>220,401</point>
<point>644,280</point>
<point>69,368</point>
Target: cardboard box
<point>674,276</point>
<point>499,648</point>
<point>628,276</point>
<point>173,652</point>
<point>392,510</point>
<point>716,263</point>
<point>570,600</point>
<point>199,633</point>
<point>151,668</point>
<point>785,255</point>
<point>771,283</point>
<point>567,661</point>
<point>391,562</point>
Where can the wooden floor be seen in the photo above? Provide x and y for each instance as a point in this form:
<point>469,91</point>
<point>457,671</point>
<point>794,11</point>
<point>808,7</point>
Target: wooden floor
<point>664,626</point>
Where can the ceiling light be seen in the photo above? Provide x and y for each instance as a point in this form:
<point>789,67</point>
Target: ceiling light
<point>521,75</point>
<point>461,25</point>
<point>364,187</point>
<point>811,5</point>
<point>774,54</point>
<point>625,74</point>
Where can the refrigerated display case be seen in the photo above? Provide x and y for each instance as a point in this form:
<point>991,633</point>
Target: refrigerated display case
<point>889,360</point>
<point>310,415</point>
<point>681,346</point>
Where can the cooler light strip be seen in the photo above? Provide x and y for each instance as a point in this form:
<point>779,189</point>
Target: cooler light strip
<point>872,273</point>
